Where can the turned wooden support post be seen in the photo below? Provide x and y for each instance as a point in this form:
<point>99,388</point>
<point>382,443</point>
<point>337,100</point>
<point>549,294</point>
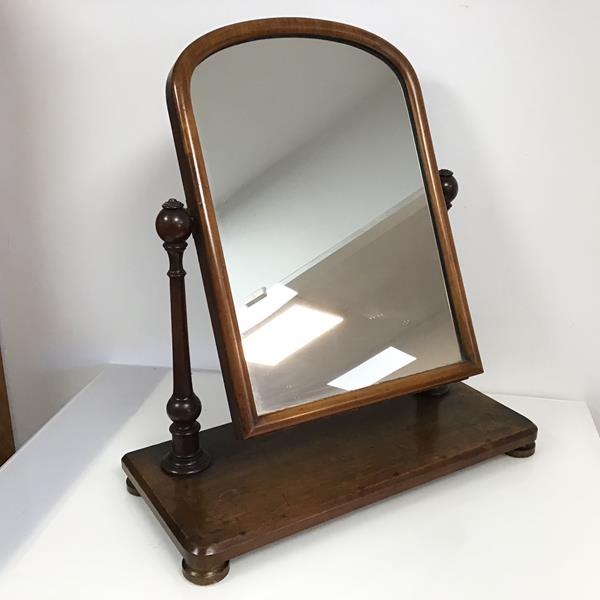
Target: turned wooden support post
<point>174,226</point>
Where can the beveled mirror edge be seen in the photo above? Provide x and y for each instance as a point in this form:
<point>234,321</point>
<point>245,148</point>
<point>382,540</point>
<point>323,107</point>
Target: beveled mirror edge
<point>208,244</point>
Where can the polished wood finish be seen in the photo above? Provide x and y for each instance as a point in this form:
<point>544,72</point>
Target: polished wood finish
<point>270,487</point>
<point>205,576</point>
<point>334,459</point>
<point>208,245</point>
<point>7,443</point>
<point>185,456</point>
<point>449,186</point>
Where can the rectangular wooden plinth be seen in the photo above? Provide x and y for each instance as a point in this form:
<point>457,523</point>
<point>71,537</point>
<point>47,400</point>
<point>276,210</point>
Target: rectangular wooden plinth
<point>265,488</point>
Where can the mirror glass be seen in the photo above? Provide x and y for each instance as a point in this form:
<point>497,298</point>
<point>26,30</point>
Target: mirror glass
<point>323,216</point>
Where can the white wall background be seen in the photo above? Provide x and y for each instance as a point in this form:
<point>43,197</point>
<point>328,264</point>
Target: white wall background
<point>512,94</point>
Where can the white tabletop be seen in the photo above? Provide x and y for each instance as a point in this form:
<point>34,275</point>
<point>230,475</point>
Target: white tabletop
<point>506,528</point>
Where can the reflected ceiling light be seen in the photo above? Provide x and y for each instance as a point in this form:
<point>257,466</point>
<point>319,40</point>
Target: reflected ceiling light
<point>286,333</point>
<point>257,310</point>
<point>372,370</point>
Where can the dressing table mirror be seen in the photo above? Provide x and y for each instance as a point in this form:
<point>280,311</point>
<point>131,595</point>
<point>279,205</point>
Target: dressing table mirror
<point>320,222</point>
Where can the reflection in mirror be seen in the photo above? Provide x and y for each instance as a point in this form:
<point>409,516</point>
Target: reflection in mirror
<point>323,217</point>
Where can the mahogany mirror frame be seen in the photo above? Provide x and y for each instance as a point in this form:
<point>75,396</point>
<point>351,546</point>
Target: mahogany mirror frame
<point>208,244</point>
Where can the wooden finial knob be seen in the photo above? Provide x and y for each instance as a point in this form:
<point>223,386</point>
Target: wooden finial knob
<point>449,186</point>
<point>173,223</point>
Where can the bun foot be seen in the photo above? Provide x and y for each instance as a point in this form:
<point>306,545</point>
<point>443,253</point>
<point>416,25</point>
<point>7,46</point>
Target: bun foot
<point>130,488</point>
<point>523,451</point>
<point>205,577</point>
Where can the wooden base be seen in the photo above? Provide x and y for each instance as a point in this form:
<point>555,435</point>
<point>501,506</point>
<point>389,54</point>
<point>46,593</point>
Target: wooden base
<point>269,487</point>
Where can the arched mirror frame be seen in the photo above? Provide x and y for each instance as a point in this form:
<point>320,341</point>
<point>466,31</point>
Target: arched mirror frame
<point>208,244</point>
